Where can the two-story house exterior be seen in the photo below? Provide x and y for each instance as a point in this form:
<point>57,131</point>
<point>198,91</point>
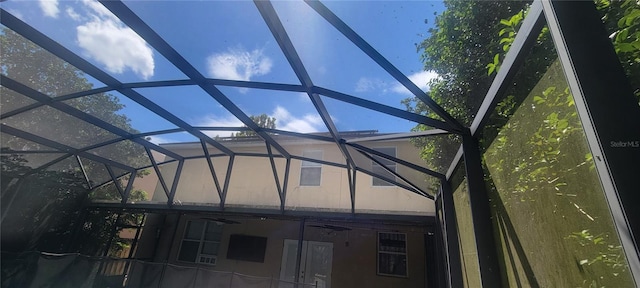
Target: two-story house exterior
<point>383,243</point>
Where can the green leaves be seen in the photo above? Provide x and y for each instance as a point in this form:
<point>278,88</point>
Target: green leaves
<point>548,91</point>
<point>513,24</point>
<point>607,254</point>
<point>495,65</point>
<point>588,157</point>
<point>507,106</point>
<point>630,18</point>
<point>622,20</point>
<point>602,4</point>
<point>626,39</point>
<point>458,48</point>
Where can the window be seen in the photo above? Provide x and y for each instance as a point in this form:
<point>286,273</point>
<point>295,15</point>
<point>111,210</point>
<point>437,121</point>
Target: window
<point>310,171</point>
<point>375,168</point>
<point>392,254</point>
<point>200,242</point>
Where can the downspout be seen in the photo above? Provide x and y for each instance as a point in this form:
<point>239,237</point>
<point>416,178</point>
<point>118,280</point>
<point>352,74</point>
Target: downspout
<point>173,237</point>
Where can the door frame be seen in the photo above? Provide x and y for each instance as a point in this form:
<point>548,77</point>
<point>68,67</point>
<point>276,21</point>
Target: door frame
<point>303,259</point>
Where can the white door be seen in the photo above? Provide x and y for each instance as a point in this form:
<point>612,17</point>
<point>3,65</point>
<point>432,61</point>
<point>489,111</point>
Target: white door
<point>315,263</point>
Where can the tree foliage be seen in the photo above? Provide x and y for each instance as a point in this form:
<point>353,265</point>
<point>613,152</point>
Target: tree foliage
<point>540,152</point>
<point>46,204</point>
<point>458,49</point>
<point>262,120</point>
<point>466,48</point>
<point>622,20</point>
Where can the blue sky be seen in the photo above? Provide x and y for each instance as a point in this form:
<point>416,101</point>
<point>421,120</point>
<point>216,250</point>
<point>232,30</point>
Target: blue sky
<point>229,40</point>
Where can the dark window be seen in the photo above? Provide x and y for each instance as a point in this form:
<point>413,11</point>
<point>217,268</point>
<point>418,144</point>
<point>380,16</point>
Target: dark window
<point>392,254</point>
<point>201,242</point>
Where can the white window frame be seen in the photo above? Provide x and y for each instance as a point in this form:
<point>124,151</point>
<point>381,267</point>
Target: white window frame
<point>201,258</point>
<point>313,154</point>
<point>377,182</point>
<point>404,253</point>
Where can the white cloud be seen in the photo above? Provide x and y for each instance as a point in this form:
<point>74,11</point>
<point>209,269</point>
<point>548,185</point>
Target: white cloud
<point>305,124</point>
<point>421,79</point>
<point>160,140</point>
<point>284,121</point>
<point>110,42</point>
<point>366,84</point>
<point>213,121</point>
<point>73,14</point>
<point>49,8</point>
<point>239,64</point>
<point>99,9</point>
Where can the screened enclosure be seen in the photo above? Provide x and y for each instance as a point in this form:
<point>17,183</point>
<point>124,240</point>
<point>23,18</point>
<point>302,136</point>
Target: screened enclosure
<point>512,135</point>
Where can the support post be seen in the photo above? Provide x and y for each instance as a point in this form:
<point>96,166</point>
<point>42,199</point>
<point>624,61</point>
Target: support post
<point>174,187</point>
<point>449,228</point>
<point>114,230</point>
<point>135,238</point>
<point>481,213</point>
<point>299,254</point>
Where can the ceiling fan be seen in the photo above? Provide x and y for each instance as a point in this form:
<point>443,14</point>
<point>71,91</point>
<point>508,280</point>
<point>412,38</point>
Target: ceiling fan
<point>220,220</point>
<point>332,227</point>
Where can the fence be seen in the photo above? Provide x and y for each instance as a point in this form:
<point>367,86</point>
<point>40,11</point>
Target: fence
<point>39,269</point>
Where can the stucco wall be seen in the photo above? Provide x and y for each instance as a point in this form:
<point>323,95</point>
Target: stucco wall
<point>354,251</point>
<point>252,182</point>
